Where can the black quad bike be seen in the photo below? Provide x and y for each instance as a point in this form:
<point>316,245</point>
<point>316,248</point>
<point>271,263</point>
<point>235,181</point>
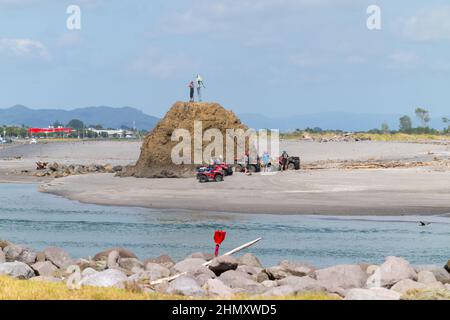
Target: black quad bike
<point>293,163</point>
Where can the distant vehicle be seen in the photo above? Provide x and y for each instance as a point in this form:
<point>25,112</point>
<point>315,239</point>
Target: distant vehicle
<point>226,168</point>
<point>2,141</point>
<point>253,166</point>
<point>211,173</point>
<point>33,141</point>
<point>293,163</point>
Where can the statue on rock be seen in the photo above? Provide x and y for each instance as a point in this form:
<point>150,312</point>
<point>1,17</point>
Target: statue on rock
<point>200,85</point>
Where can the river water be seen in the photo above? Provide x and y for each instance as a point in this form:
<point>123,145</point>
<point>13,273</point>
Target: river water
<point>39,220</point>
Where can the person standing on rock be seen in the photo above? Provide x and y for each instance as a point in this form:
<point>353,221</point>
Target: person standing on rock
<point>200,85</point>
<point>191,91</point>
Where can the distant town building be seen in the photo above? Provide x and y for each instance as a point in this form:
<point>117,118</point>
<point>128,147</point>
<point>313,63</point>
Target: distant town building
<point>111,133</point>
<point>32,131</point>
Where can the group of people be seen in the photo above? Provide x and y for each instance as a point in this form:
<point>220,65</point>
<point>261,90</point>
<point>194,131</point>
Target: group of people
<point>197,83</point>
<point>266,163</point>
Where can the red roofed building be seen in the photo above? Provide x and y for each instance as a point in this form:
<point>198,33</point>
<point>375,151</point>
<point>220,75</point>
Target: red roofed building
<point>32,131</point>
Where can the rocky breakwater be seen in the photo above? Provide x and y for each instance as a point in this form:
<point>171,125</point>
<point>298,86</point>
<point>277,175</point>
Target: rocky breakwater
<point>57,170</point>
<point>226,277</point>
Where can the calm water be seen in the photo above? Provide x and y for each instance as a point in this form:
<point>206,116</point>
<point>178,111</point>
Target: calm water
<point>40,220</point>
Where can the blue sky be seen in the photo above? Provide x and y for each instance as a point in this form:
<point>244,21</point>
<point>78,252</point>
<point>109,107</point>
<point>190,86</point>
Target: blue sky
<point>273,57</point>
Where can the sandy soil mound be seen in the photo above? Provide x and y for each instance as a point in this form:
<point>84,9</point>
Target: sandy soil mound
<point>155,159</point>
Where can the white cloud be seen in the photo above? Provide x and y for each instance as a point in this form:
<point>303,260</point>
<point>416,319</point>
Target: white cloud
<point>40,2</point>
<point>205,16</point>
<point>307,61</point>
<point>403,60</point>
<point>154,63</point>
<point>23,48</point>
<point>69,39</point>
<point>325,59</point>
<point>426,25</point>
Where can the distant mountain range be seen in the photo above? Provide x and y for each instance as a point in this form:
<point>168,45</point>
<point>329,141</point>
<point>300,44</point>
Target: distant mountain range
<point>331,120</point>
<point>108,117</point>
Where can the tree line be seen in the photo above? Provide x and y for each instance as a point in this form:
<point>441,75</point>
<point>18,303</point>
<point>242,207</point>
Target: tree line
<point>80,130</point>
<point>406,124</point>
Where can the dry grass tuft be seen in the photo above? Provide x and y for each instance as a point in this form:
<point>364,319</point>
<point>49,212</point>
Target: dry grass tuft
<point>427,295</point>
<point>12,289</point>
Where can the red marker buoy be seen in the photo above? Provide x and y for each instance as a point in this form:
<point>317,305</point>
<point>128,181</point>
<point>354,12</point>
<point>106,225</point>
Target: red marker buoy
<point>219,237</point>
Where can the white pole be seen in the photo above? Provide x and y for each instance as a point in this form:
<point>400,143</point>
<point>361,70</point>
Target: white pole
<point>206,264</point>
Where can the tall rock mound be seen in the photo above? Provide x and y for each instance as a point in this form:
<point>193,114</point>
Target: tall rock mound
<point>155,160</point>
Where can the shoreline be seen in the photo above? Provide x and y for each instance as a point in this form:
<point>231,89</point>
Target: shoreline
<point>236,196</point>
<point>336,178</point>
<point>42,185</point>
<point>69,188</point>
<point>204,276</point>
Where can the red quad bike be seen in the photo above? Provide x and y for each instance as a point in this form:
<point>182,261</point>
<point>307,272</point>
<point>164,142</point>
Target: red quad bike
<point>226,168</point>
<point>207,174</point>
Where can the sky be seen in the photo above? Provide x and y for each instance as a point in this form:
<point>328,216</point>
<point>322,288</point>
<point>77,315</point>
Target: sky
<point>272,57</point>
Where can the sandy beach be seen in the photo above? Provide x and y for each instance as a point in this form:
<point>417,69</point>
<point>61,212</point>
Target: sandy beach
<point>328,192</point>
<point>332,191</point>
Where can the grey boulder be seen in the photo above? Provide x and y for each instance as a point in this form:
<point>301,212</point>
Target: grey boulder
<point>372,294</point>
<point>202,276</point>
<point>223,264</point>
<point>18,270</point>
<point>240,280</point>
<point>107,278</point>
<point>189,265</point>
<point>194,268</point>
<point>440,273</point>
<point>260,276</point>
<point>58,257</point>
<point>163,260</point>
<point>390,272</point>
<point>131,264</point>
<point>345,276</point>
<point>45,269</point>
<point>405,285</point>
<point>250,270</point>
<point>88,271</point>
<point>201,255</point>
<point>250,260</point>
<point>287,268</point>
<point>426,277</point>
<point>217,289</point>
<point>154,272</point>
<point>123,253</point>
<point>269,284</point>
<point>302,284</point>
<point>4,244</point>
<point>19,253</point>
<point>185,286</point>
<point>281,291</point>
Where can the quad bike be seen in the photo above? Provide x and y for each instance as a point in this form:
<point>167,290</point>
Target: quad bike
<point>293,163</point>
<point>210,174</point>
<point>226,168</point>
<point>253,166</point>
